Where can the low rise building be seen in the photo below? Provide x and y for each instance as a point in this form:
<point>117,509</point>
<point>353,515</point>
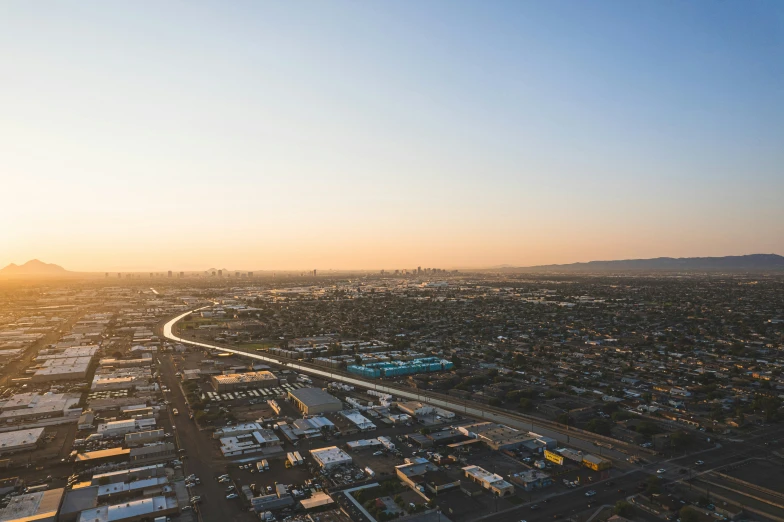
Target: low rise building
<point>313,401</point>
<point>490,481</point>
<point>244,381</point>
<point>22,440</point>
<point>41,506</point>
<point>136,510</point>
<point>531,479</point>
<point>330,457</point>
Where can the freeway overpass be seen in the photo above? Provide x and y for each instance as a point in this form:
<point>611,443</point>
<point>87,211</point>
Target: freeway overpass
<point>576,438</point>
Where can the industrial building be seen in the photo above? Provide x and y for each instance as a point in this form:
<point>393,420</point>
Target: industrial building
<point>330,457</point>
<point>24,407</point>
<point>61,369</point>
<point>22,440</point>
<point>122,427</point>
<point>244,381</point>
<point>41,506</point>
<point>357,419</point>
<point>498,436</point>
<point>145,508</point>
<point>247,443</point>
<point>487,480</point>
<point>313,401</point>
<point>140,438</point>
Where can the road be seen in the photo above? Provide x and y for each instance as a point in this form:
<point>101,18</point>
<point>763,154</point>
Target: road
<point>571,503</point>
<point>202,458</point>
<point>578,439</point>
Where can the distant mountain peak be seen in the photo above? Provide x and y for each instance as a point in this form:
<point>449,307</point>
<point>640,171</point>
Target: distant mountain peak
<point>33,267</point>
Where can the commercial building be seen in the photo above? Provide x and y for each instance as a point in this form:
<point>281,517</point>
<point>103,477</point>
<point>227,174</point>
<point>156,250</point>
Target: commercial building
<point>313,401</point>
<point>487,480</point>
<point>497,436</point>
<point>531,479</point>
<point>330,457</point>
<point>145,508</point>
<point>22,440</point>
<point>595,463</point>
<point>41,506</point>
<point>244,381</point>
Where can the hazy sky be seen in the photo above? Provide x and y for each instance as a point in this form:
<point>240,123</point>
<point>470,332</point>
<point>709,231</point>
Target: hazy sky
<point>327,134</point>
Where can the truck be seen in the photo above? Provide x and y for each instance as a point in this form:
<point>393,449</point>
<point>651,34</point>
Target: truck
<point>299,458</point>
<point>265,464</point>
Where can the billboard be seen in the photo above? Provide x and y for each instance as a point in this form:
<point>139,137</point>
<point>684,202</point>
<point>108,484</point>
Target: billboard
<point>553,457</point>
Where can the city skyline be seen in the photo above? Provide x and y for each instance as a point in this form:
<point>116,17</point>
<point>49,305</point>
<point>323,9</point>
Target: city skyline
<point>349,136</point>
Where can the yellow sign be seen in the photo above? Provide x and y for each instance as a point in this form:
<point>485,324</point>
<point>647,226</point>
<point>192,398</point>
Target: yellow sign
<point>553,457</point>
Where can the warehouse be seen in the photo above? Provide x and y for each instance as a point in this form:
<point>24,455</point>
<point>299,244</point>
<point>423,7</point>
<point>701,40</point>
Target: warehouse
<point>22,440</point>
<point>313,401</point>
<point>331,457</point>
<point>497,436</point>
<point>145,508</point>
<point>122,427</point>
<point>41,506</point>
<point>67,368</point>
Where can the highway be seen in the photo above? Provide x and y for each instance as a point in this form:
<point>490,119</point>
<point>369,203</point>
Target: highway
<point>577,439</point>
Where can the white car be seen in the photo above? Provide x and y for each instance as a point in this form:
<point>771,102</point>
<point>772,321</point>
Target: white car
<point>661,470</point>
<point>590,493</point>
<point>231,496</point>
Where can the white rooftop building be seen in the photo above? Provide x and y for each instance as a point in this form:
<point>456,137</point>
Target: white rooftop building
<point>330,457</point>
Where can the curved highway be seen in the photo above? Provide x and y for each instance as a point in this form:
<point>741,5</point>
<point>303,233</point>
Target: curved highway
<point>468,408</point>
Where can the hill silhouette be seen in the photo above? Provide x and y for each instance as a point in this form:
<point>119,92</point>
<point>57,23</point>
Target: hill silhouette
<point>33,267</point>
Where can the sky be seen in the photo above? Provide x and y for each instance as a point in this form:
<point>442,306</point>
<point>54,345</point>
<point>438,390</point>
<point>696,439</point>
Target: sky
<point>347,135</point>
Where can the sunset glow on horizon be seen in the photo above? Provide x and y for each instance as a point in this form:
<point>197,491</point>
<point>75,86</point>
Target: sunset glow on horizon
<point>338,135</point>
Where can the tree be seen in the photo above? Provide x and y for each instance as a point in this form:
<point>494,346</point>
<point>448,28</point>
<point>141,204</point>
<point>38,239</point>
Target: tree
<point>654,485</point>
<point>623,509</point>
<point>681,439</point>
<point>526,404</point>
<point>600,426</point>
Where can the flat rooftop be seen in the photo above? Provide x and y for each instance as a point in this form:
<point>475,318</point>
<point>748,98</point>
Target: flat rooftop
<point>314,397</point>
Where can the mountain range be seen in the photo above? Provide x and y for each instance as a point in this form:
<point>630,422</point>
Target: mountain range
<point>33,267</point>
<point>751,262</point>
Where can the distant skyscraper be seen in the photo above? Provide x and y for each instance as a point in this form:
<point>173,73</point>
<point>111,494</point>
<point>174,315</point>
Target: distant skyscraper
<point>236,274</point>
<point>213,273</point>
<point>419,270</point>
<point>170,273</point>
<point>220,273</point>
<point>182,274</point>
<point>107,274</point>
<point>314,272</point>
